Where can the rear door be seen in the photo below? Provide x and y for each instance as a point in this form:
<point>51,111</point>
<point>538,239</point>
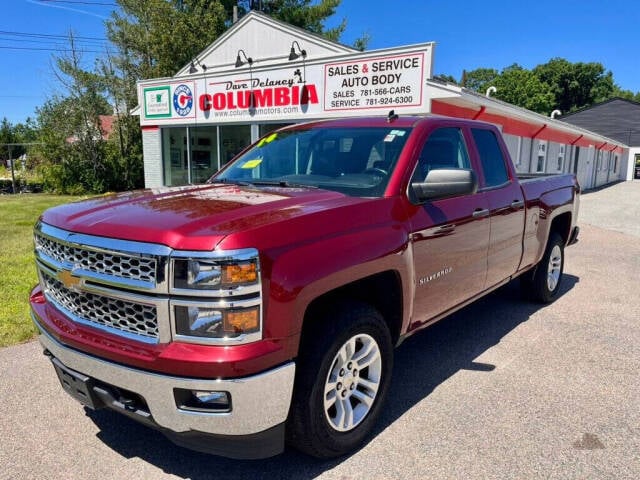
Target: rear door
<point>506,205</point>
<point>450,236</point>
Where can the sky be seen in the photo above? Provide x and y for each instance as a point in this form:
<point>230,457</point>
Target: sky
<point>468,34</point>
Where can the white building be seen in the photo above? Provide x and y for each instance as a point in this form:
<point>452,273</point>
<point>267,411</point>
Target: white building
<point>263,74</point>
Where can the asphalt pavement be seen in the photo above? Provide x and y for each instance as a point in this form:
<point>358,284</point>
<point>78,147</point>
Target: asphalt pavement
<point>503,389</point>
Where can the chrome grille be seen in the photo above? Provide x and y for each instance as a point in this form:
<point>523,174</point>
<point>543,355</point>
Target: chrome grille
<point>122,315</point>
<point>110,263</point>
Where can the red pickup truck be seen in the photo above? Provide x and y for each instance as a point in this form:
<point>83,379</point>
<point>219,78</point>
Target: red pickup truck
<point>265,304</point>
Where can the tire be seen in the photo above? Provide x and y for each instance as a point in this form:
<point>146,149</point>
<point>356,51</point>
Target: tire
<point>342,378</point>
<point>543,283</point>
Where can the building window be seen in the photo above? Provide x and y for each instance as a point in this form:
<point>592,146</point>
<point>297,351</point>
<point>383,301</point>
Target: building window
<point>561,158</point>
<point>233,139</point>
<point>615,164</point>
<point>189,154</point>
<point>174,158</point>
<point>519,152</point>
<point>542,156</point>
<point>265,128</point>
<point>525,153</point>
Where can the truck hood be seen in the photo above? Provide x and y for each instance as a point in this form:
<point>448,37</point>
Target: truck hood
<point>190,218</point>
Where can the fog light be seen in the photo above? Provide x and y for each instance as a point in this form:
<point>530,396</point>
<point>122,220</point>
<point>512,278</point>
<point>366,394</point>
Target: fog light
<point>203,400</point>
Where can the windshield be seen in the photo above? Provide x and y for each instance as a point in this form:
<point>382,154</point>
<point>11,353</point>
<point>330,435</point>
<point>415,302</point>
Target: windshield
<point>353,161</point>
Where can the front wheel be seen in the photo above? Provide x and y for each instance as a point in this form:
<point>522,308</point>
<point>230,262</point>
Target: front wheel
<point>342,380</point>
<point>543,284</point>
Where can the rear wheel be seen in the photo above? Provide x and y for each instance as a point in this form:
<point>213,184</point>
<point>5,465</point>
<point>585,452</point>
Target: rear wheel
<point>342,378</point>
<point>543,283</point>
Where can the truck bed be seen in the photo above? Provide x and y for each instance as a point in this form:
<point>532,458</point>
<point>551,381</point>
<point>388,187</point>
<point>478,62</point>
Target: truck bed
<point>536,184</point>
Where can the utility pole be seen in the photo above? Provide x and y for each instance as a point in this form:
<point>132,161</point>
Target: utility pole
<point>9,145</point>
<point>13,175</point>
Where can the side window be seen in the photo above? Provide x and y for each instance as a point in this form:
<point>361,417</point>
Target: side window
<point>445,148</point>
<point>493,164</point>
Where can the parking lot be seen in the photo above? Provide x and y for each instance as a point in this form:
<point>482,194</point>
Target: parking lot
<point>502,389</point>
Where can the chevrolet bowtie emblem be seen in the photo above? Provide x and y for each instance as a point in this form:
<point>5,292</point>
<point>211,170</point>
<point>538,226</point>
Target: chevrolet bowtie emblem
<point>68,279</point>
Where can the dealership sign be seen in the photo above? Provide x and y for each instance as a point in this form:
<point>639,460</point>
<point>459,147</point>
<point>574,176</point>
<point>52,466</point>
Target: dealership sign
<point>352,85</point>
<point>384,82</point>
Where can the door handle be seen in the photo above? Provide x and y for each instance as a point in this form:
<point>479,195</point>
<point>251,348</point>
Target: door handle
<point>517,204</point>
<point>480,213</point>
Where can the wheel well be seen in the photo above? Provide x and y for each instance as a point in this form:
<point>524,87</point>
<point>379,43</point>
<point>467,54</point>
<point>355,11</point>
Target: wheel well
<point>562,225</point>
<point>383,291</point>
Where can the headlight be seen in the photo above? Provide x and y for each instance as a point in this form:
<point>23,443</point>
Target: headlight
<point>216,297</point>
<point>206,274</point>
<point>207,322</point>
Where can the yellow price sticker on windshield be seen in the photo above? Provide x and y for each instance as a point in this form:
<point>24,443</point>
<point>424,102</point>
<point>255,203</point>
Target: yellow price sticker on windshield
<point>250,164</point>
<point>268,139</point>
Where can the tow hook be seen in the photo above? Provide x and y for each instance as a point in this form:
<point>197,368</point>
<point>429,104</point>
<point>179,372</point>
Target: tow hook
<point>128,403</point>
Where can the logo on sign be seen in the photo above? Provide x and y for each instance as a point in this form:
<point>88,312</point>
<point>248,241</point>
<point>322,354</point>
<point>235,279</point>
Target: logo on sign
<point>182,100</point>
<point>258,93</point>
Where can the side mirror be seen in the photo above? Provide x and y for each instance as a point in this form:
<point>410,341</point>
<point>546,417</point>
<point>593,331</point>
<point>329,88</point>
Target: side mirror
<point>445,183</point>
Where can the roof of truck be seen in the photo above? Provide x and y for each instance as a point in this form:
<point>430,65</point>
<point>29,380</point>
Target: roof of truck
<point>401,121</point>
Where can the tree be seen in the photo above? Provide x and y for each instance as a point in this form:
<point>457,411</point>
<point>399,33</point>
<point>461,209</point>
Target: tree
<point>479,79</point>
<point>83,106</point>
<point>445,78</point>
<point>626,94</point>
<point>126,135</point>
<point>158,37</point>
<point>20,133</point>
<point>575,85</point>
<point>73,149</point>
<point>303,14</point>
<point>7,135</point>
<point>26,132</point>
<point>522,87</point>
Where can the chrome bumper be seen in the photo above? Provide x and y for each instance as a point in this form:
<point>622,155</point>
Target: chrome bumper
<point>259,402</point>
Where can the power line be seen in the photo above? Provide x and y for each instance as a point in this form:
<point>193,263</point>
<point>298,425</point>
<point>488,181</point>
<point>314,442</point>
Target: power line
<point>80,2</point>
<point>85,44</point>
<point>49,35</point>
<point>51,49</point>
<point>56,43</point>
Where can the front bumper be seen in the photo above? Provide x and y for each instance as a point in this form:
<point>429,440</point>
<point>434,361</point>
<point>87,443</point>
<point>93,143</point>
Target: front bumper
<point>254,428</point>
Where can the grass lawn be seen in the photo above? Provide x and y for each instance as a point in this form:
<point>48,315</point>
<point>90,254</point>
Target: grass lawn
<point>18,213</point>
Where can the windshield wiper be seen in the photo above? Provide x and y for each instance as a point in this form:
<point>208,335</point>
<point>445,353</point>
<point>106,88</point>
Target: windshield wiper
<point>231,181</point>
<point>267,183</point>
<point>283,184</point>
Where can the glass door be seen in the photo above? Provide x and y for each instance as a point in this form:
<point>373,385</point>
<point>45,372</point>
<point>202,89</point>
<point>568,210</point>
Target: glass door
<point>233,138</point>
